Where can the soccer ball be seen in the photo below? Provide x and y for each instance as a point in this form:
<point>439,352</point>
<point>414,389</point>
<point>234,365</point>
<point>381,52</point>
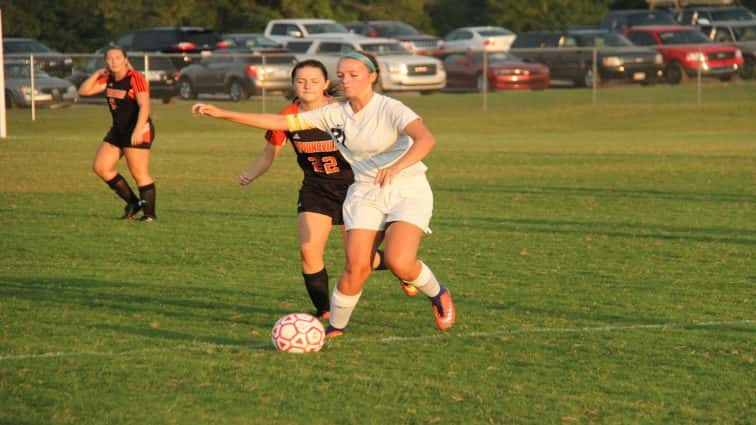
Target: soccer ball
<point>298,333</point>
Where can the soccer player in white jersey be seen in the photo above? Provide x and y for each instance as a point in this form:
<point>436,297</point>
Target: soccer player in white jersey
<point>385,143</point>
<point>327,177</point>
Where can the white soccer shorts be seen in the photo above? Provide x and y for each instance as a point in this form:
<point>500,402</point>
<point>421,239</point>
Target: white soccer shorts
<point>408,199</point>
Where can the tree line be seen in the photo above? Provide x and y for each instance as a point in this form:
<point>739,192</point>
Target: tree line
<point>86,25</point>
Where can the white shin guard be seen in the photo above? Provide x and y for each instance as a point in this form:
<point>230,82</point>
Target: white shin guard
<point>426,282</point>
<point>342,307</point>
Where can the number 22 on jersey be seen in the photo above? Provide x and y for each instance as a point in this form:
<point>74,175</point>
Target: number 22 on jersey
<point>324,164</point>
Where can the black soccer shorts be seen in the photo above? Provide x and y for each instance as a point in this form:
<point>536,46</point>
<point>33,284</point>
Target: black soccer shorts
<point>323,198</point>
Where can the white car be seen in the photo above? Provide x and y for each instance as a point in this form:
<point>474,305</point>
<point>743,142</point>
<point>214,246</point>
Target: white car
<point>491,39</point>
<point>283,30</point>
<point>400,70</point>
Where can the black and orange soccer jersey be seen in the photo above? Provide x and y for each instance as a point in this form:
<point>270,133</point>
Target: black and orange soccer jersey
<point>121,97</point>
<point>317,154</point>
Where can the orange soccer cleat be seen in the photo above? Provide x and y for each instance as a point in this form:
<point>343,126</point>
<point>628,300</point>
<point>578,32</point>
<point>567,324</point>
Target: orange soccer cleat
<point>332,332</point>
<point>443,309</point>
<point>409,289</point>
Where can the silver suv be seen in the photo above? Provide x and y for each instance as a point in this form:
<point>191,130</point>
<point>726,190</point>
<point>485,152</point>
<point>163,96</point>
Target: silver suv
<point>240,75</point>
<point>400,70</point>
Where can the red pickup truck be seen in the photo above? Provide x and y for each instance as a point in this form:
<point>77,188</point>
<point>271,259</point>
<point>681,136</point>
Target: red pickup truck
<point>686,50</point>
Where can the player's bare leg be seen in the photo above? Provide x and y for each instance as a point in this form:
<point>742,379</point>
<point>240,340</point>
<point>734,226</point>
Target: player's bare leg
<point>313,230</point>
<point>402,244</point>
<point>359,247</point>
<point>104,165</point>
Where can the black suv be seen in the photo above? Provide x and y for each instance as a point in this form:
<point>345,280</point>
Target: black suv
<point>622,20</point>
<point>181,40</point>
<point>52,62</point>
<point>740,33</point>
<point>569,56</point>
<point>162,74</point>
<point>707,15</point>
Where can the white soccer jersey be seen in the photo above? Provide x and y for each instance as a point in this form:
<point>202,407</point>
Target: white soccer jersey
<point>370,139</point>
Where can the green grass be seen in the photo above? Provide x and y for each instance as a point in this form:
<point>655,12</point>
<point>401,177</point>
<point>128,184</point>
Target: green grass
<point>601,258</point>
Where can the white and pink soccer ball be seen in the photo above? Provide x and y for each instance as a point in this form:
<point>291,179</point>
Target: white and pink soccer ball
<point>298,333</point>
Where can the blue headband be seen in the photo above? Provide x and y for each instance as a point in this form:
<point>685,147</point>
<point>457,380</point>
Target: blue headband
<point>360,57</point>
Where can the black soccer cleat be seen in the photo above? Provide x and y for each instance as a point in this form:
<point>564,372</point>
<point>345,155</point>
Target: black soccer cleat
<point>131,210</point>
<point>332,332</point>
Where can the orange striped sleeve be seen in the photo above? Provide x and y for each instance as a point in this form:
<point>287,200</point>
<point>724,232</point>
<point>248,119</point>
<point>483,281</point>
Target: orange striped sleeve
<point>138,82</point>
<point>103,79</point>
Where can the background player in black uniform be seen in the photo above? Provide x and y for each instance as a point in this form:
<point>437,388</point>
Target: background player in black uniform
<point>131,134</point>
<point>327,177</point>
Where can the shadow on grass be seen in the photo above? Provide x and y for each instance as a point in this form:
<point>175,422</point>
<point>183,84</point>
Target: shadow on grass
<point>110,214</point>
<point>188,338</point>
<point>185,303</point>
<point>606,193</point>
<point>574,317</point>
<point>723,235</point>
<point>17,422</point>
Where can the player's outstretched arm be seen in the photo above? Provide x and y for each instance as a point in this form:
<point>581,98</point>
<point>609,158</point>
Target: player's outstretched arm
<point>261,165</point>
<point>264,121</point>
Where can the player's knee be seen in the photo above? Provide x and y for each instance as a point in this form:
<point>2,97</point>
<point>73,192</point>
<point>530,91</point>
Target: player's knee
<point>312,257</point>
<point>310,251</point>
<point>399,264</point>
<point>103,171</point>
<point>358,270</point>
<point>142,179</point>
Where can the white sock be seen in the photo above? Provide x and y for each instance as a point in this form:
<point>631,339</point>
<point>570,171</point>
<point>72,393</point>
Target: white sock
<point>426,282</point>
<point>342,307</point>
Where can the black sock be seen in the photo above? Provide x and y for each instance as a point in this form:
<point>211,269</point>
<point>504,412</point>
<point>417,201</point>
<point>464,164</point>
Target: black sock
<point>122,189</point>
<point>381,265</point>
<point>147,193</point>
<point>317,287</point>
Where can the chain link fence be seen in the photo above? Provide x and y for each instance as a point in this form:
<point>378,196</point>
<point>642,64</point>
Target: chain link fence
<point>597,68</point>
<point>240,76</point>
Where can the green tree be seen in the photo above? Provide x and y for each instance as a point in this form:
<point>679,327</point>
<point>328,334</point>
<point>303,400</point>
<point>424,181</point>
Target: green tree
<point>66,25</point>
<point>412,12</point>
<point>85,25</point>
<point>518,15</point>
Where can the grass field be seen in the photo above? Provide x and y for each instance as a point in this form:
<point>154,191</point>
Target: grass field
<point>601,257</point>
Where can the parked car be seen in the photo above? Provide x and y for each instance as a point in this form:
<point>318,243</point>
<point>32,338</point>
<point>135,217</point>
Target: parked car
<point>299,46</point>
<point>742,34</point>
<point>700,15</point>
<point>253,42</point>
<point>479,38</point>
<point>162,74</point>
<point>400,70</point>
<point>687,50</point>
<point>412,39</point>
<point>182,40</point>
<point>622,20</point>
<point>48,90</point>
<point>503,71</point>
<point>240,75</point>
<point>283,30</point>
<point>569,56</point>
<point>54,63</point>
